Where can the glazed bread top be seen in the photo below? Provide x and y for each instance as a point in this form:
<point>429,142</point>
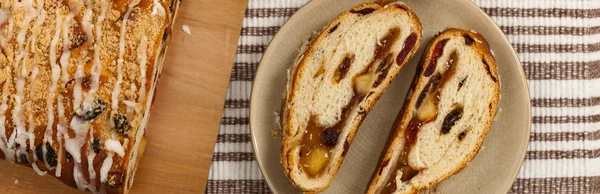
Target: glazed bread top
<point>77,78</point>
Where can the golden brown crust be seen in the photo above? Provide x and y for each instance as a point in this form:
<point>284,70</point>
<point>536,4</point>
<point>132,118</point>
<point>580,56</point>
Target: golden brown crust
<point>60,64</point>
<point>483,48</point>
<point>287,141</point>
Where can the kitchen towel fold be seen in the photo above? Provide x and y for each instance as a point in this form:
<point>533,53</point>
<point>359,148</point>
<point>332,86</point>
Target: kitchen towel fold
<point>558,42</point>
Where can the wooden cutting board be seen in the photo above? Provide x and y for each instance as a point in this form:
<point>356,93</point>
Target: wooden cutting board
<point>185,118</point>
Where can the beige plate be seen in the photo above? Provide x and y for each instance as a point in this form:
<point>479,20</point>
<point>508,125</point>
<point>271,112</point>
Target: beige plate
<point>492,171</point>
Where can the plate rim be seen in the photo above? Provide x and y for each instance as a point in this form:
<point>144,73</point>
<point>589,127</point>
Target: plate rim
<point>286,24</point>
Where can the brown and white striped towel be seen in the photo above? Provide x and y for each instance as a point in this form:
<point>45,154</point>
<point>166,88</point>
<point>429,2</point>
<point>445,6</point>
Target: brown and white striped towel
<point>558,42</point>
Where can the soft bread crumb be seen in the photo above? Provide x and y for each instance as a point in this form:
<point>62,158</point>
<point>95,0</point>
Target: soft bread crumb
<point>186,29</point>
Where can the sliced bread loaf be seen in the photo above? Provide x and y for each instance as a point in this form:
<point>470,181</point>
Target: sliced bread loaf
<point>446,117</point>
<point>336,81</point>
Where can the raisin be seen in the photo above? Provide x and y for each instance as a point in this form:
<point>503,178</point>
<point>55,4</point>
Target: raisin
<point>451,119</point>
<point>364,11</point>
<point>409,44</point>
<point>344,67</point>
<point>334,28</point>
<point>430,87</point>
<point>330,137</point>
<point>487,68</point>
<point>438,50</point>
<point>114,179</point>
<point>468,40</point>
<point>78,36</point>
<point>121,123</point>
<point>98,106</point>
<point>50,154</point>
<point>383,70</point>
<point>96,146</point>
<point>24,158</point>
<point>421,98</point>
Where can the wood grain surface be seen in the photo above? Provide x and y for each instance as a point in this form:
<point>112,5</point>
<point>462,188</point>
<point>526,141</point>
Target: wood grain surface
<point>185,118</point>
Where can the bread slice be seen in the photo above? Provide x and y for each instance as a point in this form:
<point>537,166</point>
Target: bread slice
<point>445,119</point>
<point>336,81</point>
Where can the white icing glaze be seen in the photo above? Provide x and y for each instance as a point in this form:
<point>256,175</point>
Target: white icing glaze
<point>4,17</point>
<point>85,22</point>
<point>117,89</point>
<point>114,146</point>
<point>55,77</point>
<point>96,65</point>
<point>75,6</point>
<point>64,58</point>
<point>37,170</point>
<point>158,8</point>
<point>143,57</point>
<point>90,159</point>
<point>20,135</point>
<point>8,153</point>
<point>77,90</point>
<point>106,165</point>
<point>34,72</point>
<point>73,147</point>
<point>4,14</point>
<point>80,180</point>
<point>61,131</point>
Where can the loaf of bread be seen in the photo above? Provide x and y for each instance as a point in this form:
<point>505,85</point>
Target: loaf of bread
<point>77,80</point>
<point>336,81</point>
<point>446,116</point>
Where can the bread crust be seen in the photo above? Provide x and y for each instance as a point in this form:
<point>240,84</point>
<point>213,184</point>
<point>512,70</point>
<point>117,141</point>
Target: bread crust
<point>125,49</point>
<point>482,47</point>
<point>289,141</point>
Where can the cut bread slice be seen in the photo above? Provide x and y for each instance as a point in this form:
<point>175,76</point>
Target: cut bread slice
<point>334,83</point>
<point>445,120</point>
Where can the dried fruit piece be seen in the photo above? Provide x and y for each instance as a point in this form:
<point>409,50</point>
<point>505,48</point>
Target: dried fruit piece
<point>409,43</point>
<point>315,161</point>
<point>121,123</point>
<point>88,113</point>
<point>344,67</point>
<point>428,109</point>
<point>362,83</point>
<point>334,28</point>
<point>468,40</point>
<point>330,137</point>
<point>96,146</point>
<point>364,11</point>
<point>438,50</point>
<point>451,119</point>
<point>24,158</point>
<point>49,157</point>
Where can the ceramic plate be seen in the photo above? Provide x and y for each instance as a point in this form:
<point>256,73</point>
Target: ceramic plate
<point>492,171</point>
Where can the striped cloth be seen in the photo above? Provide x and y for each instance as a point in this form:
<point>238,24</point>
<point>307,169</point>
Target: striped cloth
<point>558,42</point>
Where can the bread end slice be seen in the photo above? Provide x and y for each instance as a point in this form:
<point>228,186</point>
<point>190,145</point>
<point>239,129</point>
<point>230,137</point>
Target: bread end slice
<point>335,83</point>
<point>447,115</point>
